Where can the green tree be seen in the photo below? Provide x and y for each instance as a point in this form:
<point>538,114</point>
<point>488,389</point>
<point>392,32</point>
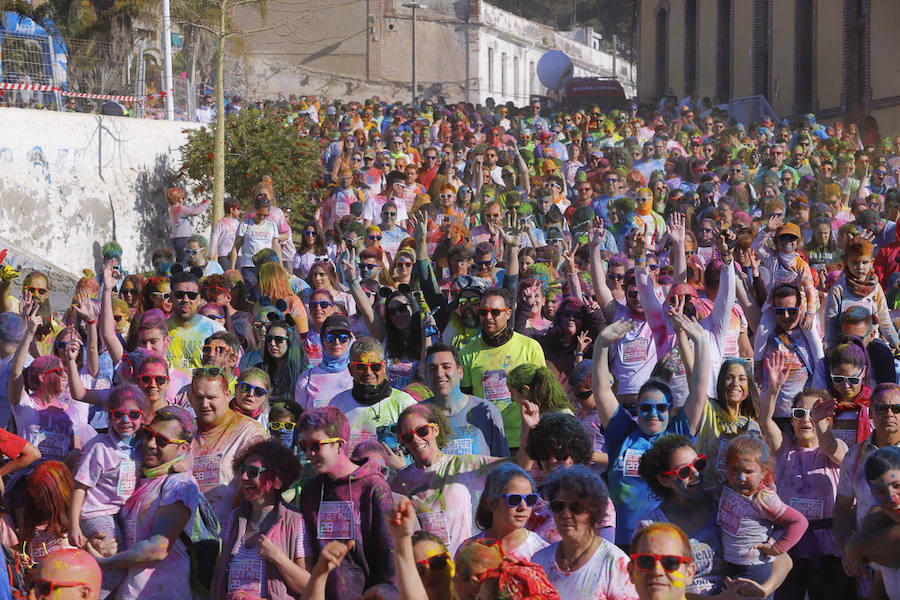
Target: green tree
<point>256,145</point>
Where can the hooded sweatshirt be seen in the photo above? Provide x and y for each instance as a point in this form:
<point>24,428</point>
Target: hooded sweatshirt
<point>371,561</point>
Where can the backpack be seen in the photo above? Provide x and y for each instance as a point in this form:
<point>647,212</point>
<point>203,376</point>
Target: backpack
<point>12,579</point>
<point>203,547</point>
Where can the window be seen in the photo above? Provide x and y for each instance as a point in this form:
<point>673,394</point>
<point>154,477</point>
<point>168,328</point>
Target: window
<point>723,51</point>
<point>490,70</point>
<point>804,57</point>
<point>762,42</point>
<point>662,51</point>
<point>690,46</point>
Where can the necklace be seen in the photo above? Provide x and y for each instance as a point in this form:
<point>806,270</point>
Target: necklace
<point>567,565</point>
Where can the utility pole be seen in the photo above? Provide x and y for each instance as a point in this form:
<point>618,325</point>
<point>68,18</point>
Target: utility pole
<point>167,61</point>
<point>414,6</point>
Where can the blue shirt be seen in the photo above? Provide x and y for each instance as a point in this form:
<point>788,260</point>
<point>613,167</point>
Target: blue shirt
<point>625,444</point>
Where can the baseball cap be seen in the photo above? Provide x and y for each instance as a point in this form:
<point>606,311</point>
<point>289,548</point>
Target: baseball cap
<point>788,229</point>
<point>336,323</point>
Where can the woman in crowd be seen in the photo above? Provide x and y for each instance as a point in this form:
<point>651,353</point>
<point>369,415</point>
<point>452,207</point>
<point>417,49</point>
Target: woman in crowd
<point>45,517</point>
<point>321,306</point>
<point>311,250</point>
<point>318,384</point>
<point>540,385</point>
<point>322,276</point>
<point>273,282</point>
<point>284,359</point>
<point>251,395</point>
<point>263,532</point>
<point>130,291</point>
<point>157,293</point>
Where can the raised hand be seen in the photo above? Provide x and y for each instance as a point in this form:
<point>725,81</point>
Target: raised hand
<point>349,267</point>
<point>73,350</point>
<point>402,521</point>
<point>775,221</point>
<point>332,554</point>
<point>85,307</point>
<point>639,246</point>
<point>420,227</point>
<point>109,277</point>
<point>823,409</point>
<point>676,227</point>
<point>531,414</point>
<point>777,369</point>
<point>614,332</point>
<point>582,341</point>
<point>511,232</point>
<point>726,253</point>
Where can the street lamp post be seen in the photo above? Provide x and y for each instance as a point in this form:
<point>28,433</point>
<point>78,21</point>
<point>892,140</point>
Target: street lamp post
<point>414,6</point>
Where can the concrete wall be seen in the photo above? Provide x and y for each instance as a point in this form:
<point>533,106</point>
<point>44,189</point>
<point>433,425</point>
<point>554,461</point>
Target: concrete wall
<point>71,182</point>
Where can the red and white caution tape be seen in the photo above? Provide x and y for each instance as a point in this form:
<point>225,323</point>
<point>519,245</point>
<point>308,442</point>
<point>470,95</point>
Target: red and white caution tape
<point>33,87</point>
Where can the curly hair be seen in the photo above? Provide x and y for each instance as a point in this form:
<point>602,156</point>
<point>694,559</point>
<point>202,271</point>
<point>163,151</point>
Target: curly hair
<point>562,435</point>
<point>658,459</point>
<point>277,459</point>
<point>585,485</point>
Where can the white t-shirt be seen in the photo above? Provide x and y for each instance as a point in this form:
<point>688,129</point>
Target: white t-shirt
<point>604,575</point>
<point>526,549</point>
<point>256,237</point>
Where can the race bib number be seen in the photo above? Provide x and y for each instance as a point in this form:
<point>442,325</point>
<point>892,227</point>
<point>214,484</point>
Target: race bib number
<point>783,275</point>
<point>461,445</point>
<point>206,470</point>
<point>635,351</point>
<point>494,383</point>
<point>358,438</point>
<point>336,520</point>
<point>732,508</point>
<point>54,445</point>
<point>246,576</point>
<point>341,208</point>
<point>631,462</point>
<point>400,374</point>
<point>720,456</point>
<point>811,508</point>
<point>436,523</point>
<point>127,479</point>
<point>844,427</point>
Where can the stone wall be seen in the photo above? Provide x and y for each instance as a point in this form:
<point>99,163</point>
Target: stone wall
<point>71,182</point>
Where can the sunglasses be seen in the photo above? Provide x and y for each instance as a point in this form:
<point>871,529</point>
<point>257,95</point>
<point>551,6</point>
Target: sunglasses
<point>468,300</point>
<point>399,308</point>
<point>786,311</point>
<point>684,473</point>
<point>251,471</point>
<point>377,238</point>
<point>282,425</point>
<point>650,407</point>
<point>331,338</point>
<point>494,312</point>
<point>181,295</point>
<point>615,276</point>
<point>254,390</point>
<point>557,506</point>
<point>669,562</point>
<point>421,431</point>
<point>884,408</point>
<point>35,291</point>
<point>161,440</point>
<point>209,371</point>
<point>800,413</point>
<point>438,562</point>
<point>570,315</point>
<point>323,304</point>
<point>316,445</point>
<point>362,367</point>
<point>276,339</point>
<point>118,318</point>
<point>514,500</point>
<point>403,264</point>
<point>45,588</point>
<point>118,414</point>
<point>310,233</point>
<point>632,294</point>
<point>162,295</point>
<point>160,380</point>
<point>128,292</point>
<point>210,349</point>
<point>61,344</point>
<point>192,251</point>
<point>388,214</point>
<point>841,379</point>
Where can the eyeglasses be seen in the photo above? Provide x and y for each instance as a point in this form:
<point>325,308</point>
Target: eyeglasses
<point>323,304</point>
<point>118,318</point>
<point>254,390</point>
<point>331,338</point>
<point>652,407</point>
<point>281,425</point>
<point>362,367</point>
<point>375,237</point>
<point>61,344</point>
<point>882,409</point>
<point>161,295</point>
<point>484,263</point>
<point>685,472</point>
<point>128,292</point>
<point>437,562</point>
<point>669,562</point>
<point>45,588</point>
<point>251,471</point>
<point>35,291</point>
<point>399,309</point>
<point>209,371</point>
<point>841,379</point>
<point>118,414</point>
<point>316,445</point>
<point>193,251</point>
<point>276,339</point>
<point>616,276</point>
<point>514,500</point>
<point>632,294</point>
<point>574,316</point>
<point>786,311</point>
<point>468,300</point>
<point>161,440</point>
<point>800,413</point>
<point>210,349</point>
<point>557,506</point>
<point>421,431</point>
<point>160,380</point>
<point>181,295</point>
<point>494,312</point>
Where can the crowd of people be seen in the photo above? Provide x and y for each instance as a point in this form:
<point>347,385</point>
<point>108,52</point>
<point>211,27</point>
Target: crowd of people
<point>513,354</point>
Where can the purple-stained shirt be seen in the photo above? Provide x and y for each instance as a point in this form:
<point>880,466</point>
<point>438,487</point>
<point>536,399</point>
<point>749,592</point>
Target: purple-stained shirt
<point>108,469</point>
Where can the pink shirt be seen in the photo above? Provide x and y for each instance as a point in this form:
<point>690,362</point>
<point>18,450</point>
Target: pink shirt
<point>108,468</point>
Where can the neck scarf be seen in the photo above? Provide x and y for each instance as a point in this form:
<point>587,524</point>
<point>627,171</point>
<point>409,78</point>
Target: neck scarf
<point>368,395</point>
<point>234,406</point>
<point>163,469</point>
<point>861,405</point>
<point>334,364</point>
<point>495,341</point>
<point>861,287</point>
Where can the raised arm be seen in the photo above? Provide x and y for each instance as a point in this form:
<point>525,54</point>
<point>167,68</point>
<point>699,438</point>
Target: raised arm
<point>777,370</point>
<point>717,322</point>
<point>363,305</point>
<point>598,275</point>
<point>76,386</point>
<point>676,252</point>
<point>822,416</point>
<point>17,367</point>
<point>607,404</point>
<point>402,522</point>
<point>699,382</point>
<point>107,322</point>
<point>86,311</point>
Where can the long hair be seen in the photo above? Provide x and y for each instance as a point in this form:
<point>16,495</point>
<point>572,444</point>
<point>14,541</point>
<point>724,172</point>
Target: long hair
<point>318,242</point>
<point>401,343</point>
<point>52,382</point>
<point>48,493</point>
<point>150,286</point>
<point>544,387</point>
<point>273,281</point>
<point>750,404</point>
<point>285,378</point>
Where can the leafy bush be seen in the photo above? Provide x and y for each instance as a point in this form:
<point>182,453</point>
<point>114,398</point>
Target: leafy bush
<point>256,145</point>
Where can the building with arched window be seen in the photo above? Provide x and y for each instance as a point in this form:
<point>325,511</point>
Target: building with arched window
<point>836,58</point>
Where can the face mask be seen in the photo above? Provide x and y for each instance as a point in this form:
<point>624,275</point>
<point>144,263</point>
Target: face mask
<point>285,437</point>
